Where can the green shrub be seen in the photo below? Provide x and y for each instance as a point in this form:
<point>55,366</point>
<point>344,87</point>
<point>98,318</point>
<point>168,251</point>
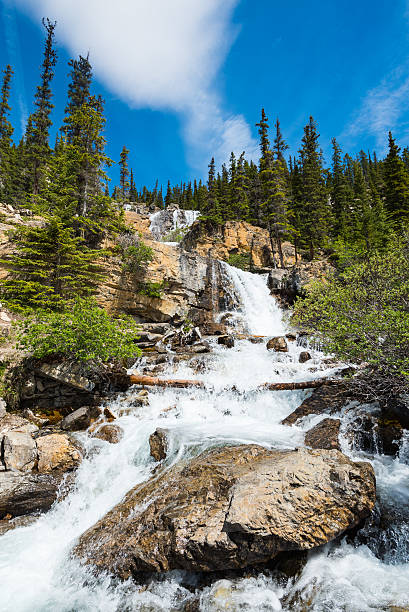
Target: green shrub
<point>83,332</point>
<point>175,235</point>
<point>151,289</point>
<point>239,260</point>
<point>136,257</point>
<point>362,315</point>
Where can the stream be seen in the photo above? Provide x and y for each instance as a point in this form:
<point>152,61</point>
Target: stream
<point>370,573</point>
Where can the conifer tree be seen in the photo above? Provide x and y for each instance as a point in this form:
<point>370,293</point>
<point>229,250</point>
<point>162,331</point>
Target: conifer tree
<point>6,132</point>
<point>396,187</point>
<point>314,212</point>
<point>212,208</point>
<point>340,191</point>
<point>124,174</point>
<point>168,196</point>
<point>133,194</point>
<point>280,146</point>
<point>78,93</point>
<point>51,266</point>
<point>37,147</point>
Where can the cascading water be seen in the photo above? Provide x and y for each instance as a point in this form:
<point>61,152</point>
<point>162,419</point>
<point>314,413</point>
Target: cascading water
<point>36,570</point>
<point>166,221</point>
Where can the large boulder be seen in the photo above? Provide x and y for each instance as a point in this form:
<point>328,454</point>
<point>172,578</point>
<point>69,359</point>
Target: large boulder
<point>158,444</point>
<point>230,508</point>
<point>19,451</point>
<point>80,419</point>
<point>57,452</point>
<point>109,433</point>
<point>22,493</point>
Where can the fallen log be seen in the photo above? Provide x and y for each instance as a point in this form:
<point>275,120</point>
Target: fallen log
<point>291,386</point>
<point>152,381</point>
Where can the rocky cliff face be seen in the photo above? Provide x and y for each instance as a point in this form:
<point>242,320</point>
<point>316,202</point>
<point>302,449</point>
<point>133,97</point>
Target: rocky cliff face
<point>236,237</point>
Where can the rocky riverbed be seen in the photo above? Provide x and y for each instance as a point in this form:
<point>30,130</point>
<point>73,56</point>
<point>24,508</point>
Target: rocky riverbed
<point>255,499</point>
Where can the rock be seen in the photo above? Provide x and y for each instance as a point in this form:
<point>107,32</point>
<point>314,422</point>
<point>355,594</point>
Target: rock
<point>80,419</point>
<point>202,347</point>
<point>158,443</point>
<point>230,508</point>
<point>374,431</point>
<point>26,493</point>
<point>19,451</point>
<point>57,452</point>
<point>291,337</point>
<point>2,408</point>
<point>328,399</point>
<point>324,435</point>
<point>4,317</point>
<point>69,373</point>
<point>304,356</point>
<point>278,344</point>
<point>11,422</point>
<point>227,341</point>
<point>110,433</point>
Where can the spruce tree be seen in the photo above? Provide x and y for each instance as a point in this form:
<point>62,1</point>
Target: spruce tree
<point>396,184</point>
<point>340,192</point>
<point>78,93</point>
<point>6,132</point>
<point>124,174</point>
<point>168,196</point>
<point>314,213</point>
<point>133,194</point>
<point>51,265</point>
<point>37,149</point>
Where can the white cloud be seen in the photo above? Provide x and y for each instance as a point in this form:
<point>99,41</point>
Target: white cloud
<point>382,109</point>
<point>161,54</point>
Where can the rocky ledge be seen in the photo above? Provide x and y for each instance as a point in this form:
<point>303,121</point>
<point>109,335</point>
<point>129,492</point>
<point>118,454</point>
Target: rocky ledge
<point>230,508</point>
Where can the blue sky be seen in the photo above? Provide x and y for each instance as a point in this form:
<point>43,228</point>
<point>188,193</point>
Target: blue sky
<point>185,79</point>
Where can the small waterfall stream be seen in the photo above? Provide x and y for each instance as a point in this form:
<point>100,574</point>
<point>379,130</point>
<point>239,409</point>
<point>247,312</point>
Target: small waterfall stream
<point>37,573</point>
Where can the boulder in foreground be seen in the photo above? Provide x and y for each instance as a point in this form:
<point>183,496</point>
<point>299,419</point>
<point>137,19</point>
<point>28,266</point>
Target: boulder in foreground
<point>230,508</point>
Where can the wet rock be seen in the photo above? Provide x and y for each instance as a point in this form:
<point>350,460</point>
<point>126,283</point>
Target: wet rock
<point>325,399</point>
<point>19,451</point>
<point>304,356</point>
<point>158,443</point>
<point>57,452</point>
<point>291,337</point>
<point>80,419</point>
<point>110,433</point>
<point>324,435</point>
<point>374,431</point>
<point>25,493</point>
<point>230,508</point>
<point>2,408</point>
<point>227,341</point>
<point>8,523</point>
<point>278,344</point>
<point>202,347</point>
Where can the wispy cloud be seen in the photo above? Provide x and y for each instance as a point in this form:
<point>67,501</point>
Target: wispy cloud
<point>13,51</point>
<point>159,54</point>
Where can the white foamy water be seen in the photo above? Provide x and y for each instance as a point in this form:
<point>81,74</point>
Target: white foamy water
<point>37,573</point>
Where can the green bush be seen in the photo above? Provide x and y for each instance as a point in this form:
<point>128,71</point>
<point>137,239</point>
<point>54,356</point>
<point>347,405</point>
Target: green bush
<point>136,257</point>
<point>151,289</point>
<point>83,332</point>
<point>362,315</point>
<point>239,260</point>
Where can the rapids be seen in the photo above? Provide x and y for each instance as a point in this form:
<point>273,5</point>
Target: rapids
<point>37,573</point>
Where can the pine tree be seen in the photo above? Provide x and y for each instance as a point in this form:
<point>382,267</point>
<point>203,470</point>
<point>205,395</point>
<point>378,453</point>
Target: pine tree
<point>396,188</point>
<point>239,205</point>
<point>280,146</point>
<point>168,196</point>
<point>6,132</point>
<point>37,148</point>
<point>314,212</point>
<point>124,174</point>
<point>51,266</point>
<point>133,194</point>
<point>211,209</point>
<point>78,93</point>
<point>340,191</point>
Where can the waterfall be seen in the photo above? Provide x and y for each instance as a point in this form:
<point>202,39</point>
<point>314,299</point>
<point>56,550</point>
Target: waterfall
<point>37,572</point>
